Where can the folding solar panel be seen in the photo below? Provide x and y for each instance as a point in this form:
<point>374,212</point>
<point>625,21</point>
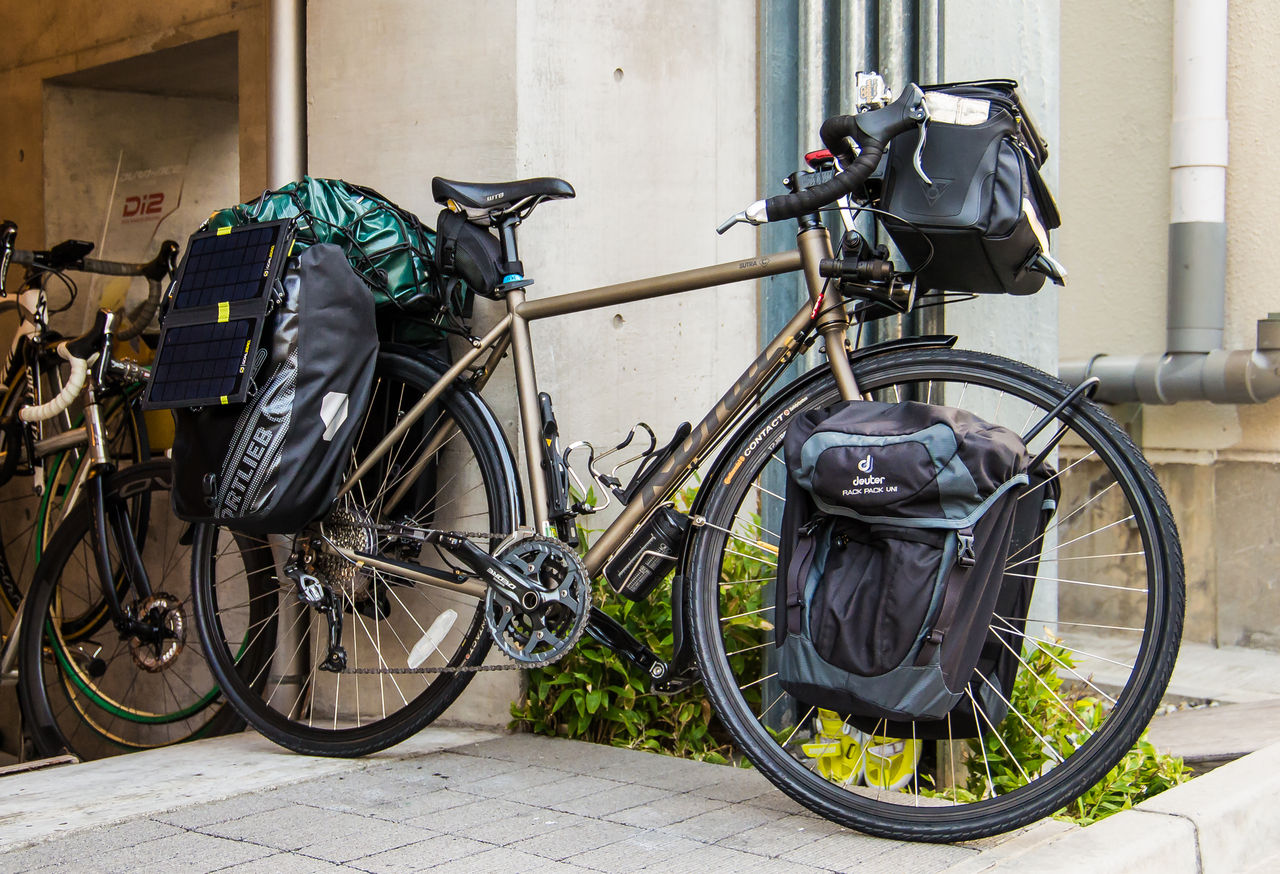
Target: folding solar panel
<point>215,313</point>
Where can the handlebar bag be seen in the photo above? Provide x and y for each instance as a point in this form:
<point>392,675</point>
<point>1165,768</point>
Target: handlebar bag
<point>898,524</point>
<point>986,213</point>
<point>273,463</point>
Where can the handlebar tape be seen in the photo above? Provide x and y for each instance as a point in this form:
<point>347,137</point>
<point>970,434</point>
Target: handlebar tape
<point>70,391</point>
<point>872,132</point>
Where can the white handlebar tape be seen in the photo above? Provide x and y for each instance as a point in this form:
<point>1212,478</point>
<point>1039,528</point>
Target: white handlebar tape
<point>71,391</point>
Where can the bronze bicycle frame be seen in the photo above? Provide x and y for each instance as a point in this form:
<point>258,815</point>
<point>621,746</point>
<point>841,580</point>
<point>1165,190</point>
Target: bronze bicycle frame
<point>824,313</point>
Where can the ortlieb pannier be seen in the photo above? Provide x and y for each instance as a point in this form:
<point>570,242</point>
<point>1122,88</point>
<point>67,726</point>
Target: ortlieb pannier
<point>899,522</point>
<point>272,464</point>
<point>980,222</point>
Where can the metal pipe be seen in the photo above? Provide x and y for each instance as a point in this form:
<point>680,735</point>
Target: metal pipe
<point>1241,376</point>
<point>813,68</point>
<point>287,92</point>
<point>1198,177</point>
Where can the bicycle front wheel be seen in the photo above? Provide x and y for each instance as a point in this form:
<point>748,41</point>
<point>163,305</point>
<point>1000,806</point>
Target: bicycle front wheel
<point>459,474</point>
<point>96,682</point>
<point>1094,651</point>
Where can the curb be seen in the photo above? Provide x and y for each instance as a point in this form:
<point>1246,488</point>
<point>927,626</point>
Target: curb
<point>1225,821</point>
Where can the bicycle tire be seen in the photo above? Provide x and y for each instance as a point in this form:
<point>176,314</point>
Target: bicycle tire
<point>738,698</point>
<point>91,689</point>
<point>317,719</point>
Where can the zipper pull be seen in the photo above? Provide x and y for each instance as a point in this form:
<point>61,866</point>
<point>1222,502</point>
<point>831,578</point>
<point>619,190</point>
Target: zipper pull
<point>807,529</point>
<point>965,555</point>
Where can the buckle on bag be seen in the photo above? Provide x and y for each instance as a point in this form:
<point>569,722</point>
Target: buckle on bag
<point>965,555</point>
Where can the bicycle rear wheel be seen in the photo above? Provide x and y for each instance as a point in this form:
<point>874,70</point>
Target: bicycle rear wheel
<point>1094,658</point>
<point>91,686</point>
<point>466,483</point>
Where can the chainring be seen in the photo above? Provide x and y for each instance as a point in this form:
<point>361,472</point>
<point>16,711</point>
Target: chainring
<point>548,631</point>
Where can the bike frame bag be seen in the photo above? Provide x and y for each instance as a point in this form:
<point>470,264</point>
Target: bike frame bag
<point>898,524</point>
<point>272,464</point>
<point>985,213</point>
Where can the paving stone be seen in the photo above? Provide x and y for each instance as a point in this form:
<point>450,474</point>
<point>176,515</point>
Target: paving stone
<point>578,838</point>
<point>571,787</point>
<point>665,772</point>
<point>292,827</point>
<point>412,805</point>
<point>480,813</point>
<point>578,757</point>
<point>375,837</point>
<point>177,854</point>
<point>665,811</point>
<point>722,860</point>
<point>85,845</point>
<point>774,838</point>
<point>634,853</point>
<point>221,811</point>
<point>457,769</point>
<point>916,858</point>
<point>420,856</point>
<point>355,793</point>
<point>841,852</point>
<point>715,825</point>
<point>506,860</point>
<point>505,828</point>
<point>601,804</point>
<point>737,784</point>
<point>283,863</point>
<point>517,783</point>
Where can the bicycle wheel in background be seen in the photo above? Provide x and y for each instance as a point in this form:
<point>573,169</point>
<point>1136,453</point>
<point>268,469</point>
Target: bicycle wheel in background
<point>87,685</point>
<point>466,484</point>
<point>1097,650</point>
<point>30,519</point>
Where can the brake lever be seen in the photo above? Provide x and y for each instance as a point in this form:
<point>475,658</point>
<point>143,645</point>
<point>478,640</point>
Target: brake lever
<point>755,214</point>
<point>918,159</point>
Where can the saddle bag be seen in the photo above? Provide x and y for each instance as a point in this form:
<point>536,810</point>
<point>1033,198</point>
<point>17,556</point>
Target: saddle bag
<point>898,524</point>
<point>982,221</point>
<point>272,464</point>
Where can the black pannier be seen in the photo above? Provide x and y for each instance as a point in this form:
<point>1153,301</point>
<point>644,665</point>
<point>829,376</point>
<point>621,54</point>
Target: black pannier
<point>273,463</point>
<point>983,219</point>
<point>899,522</point>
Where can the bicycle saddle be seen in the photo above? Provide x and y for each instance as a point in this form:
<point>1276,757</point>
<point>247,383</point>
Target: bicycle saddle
<point>492,195</point>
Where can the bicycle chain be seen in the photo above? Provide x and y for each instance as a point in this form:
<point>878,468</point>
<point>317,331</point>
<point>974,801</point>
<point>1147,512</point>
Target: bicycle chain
<point>465,669</point>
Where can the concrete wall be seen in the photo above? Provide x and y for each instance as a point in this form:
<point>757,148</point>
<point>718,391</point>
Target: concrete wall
<point>647,109</point>
<point>1218,463</point>
<point>101,144</point>
<point>1009,39</point>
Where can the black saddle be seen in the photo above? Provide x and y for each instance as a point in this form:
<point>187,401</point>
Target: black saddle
<point>495,195</point>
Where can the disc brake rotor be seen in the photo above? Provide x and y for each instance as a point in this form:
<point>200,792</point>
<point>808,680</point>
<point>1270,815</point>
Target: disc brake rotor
<point>164,613</point>
<point>539,633</point>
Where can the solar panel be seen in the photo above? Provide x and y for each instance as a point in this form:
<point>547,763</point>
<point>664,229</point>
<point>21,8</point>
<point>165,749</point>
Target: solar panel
<point>216,311</point>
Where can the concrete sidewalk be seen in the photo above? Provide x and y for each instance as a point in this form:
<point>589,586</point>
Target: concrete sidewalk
<point>448,800</point>
<point>457,800</point>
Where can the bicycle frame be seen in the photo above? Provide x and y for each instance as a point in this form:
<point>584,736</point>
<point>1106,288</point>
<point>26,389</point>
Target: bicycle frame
<point>823,314</point>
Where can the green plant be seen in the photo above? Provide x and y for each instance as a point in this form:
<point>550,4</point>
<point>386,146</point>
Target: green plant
<point>593,695</point>
<point>1055,719</point>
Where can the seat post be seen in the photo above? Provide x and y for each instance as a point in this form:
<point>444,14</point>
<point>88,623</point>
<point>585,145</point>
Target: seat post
<point>512,269</point>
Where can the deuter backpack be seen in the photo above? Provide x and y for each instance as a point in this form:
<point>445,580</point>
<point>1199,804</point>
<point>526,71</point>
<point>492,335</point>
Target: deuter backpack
<point>898,524</point>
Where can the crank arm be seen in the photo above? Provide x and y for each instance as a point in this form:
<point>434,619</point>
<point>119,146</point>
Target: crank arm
<point>609,632</point>
<point>504,580</point>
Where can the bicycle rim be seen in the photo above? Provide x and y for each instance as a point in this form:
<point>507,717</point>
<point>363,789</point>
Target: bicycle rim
<point>384,615</point>
<point>94,689</point>
<point>1099,641</point>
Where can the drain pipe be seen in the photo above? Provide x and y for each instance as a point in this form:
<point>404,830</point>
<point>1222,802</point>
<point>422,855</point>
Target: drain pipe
<point>287,92</point>
<point>1195,367</point>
